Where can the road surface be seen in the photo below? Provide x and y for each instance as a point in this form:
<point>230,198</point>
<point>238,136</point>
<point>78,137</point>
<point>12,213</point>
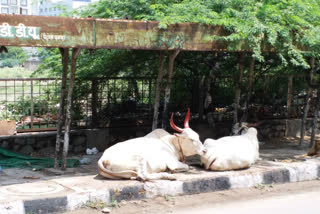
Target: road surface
<point>293,198</point>
<point>293,203</point>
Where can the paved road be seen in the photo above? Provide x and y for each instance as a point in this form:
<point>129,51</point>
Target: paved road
<point>293,198</point>
<point>301,203</point>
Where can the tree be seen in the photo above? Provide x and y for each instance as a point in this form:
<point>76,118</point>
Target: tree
<point>286,27</point>
<point>15,57</point>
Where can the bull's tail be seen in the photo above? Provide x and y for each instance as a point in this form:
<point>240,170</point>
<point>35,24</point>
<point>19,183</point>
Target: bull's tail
<point>128,174</point>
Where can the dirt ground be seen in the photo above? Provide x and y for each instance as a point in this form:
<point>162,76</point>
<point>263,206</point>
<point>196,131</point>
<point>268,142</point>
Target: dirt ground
<point>168,204</point>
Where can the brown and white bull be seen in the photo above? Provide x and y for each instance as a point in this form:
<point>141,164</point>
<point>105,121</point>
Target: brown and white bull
<point>149,157</point>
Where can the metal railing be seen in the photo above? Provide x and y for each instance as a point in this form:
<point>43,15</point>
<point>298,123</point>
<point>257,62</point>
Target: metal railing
<point>34,102</point>
<point>30,102</point>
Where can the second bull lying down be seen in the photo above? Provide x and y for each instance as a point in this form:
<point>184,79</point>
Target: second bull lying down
<point>148,157</point>
<point>232,152</point>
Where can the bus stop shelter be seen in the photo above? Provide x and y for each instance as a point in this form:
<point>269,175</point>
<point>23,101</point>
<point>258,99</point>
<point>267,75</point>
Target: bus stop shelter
<point>94,33</point>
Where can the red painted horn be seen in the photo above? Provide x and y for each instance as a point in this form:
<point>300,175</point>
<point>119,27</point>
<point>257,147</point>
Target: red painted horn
<point>174,126</point>
<point>186,120</point>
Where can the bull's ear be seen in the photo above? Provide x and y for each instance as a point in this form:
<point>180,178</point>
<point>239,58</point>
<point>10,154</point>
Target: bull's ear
<point>178,135</point>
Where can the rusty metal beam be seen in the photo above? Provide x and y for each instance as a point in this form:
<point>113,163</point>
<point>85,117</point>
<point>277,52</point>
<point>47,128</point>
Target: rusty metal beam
<point>66,32</point>
<point>42,31</point>
<point>36,130</point>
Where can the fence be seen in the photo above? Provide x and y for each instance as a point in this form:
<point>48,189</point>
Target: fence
<point>273,97</point>
<point>98,101</point>
<point>34,103</point>
<point>30,102</point>
<point>280,96</point>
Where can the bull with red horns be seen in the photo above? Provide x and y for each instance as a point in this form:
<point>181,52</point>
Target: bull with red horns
<point>151,156</point>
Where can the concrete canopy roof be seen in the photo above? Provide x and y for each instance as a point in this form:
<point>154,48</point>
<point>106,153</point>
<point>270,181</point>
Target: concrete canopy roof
<point>92,33</point>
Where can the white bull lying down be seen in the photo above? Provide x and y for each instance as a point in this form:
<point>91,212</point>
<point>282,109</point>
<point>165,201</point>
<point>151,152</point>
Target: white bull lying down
<point>232,152</point>
<point>148,157</point>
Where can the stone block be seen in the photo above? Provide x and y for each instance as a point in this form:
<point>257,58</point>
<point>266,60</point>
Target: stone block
<point>79,140</point>
<point>293,128</point>
<point>280,127</point>
<point>276,176</point>
<point>79,149</point>
<point>4,144</point>
<point>26,150</point>
<point>19,141</point>
<point>128,193</point>
<point>46,205</point>
<point>41,144</point>
<point>16,147</point>
<point>206,185</point>
<point>31,141</point>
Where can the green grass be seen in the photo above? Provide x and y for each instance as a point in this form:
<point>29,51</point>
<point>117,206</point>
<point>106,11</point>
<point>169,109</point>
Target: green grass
<point>22,88</point>
<point>15,72</point>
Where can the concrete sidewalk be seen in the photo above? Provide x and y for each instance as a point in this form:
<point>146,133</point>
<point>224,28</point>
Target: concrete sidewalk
<point>27,191</point>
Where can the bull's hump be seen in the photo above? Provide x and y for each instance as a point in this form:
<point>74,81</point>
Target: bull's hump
<point>158,133</point>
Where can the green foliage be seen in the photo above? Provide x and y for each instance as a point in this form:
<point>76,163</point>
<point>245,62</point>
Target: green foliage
<point>114,203</point>
<point>51,63</point>
<point>22,106</point>
<point>14,57</point>
<point>116,63</point>
<point>97,204</point>
<point>15,99</point>
<point>168,197</point>
<point>7,115</point>
<point>263,186</point>
<point>101,63</point>
<point>287,26</point>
